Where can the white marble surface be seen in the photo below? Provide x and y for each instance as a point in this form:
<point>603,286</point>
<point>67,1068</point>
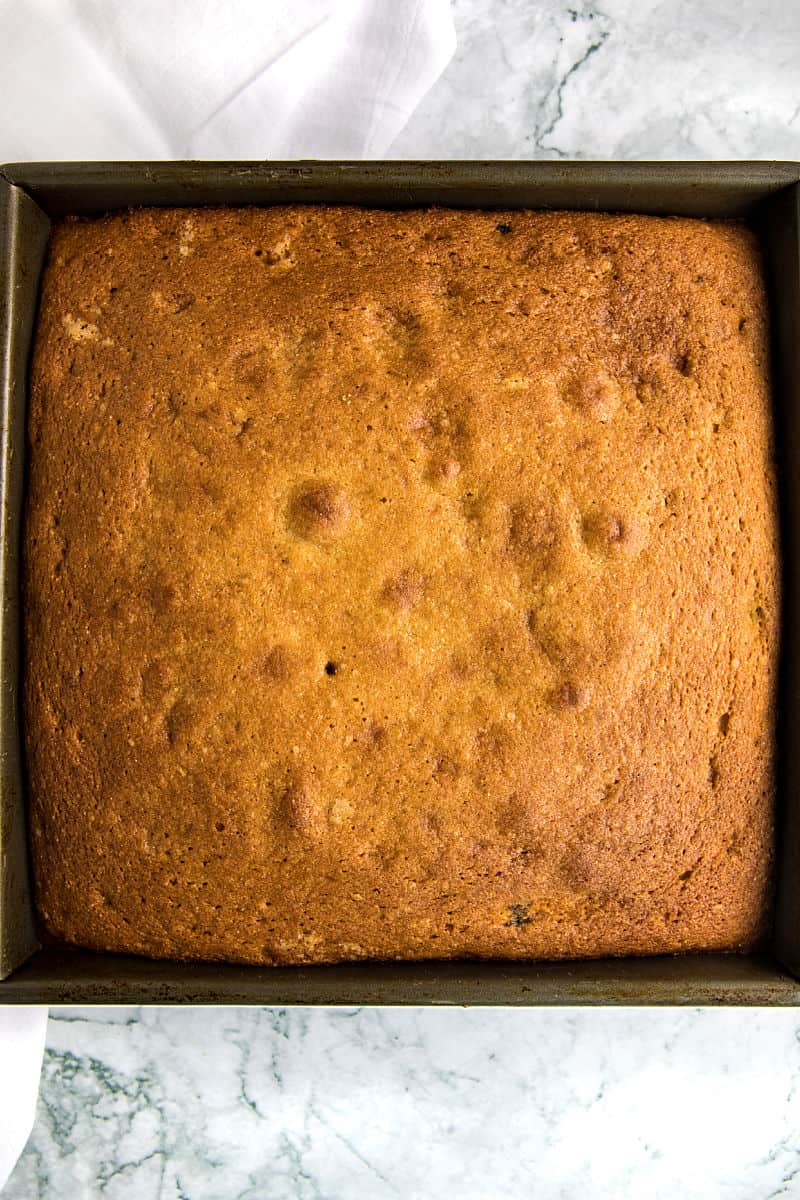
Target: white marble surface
<point>316,1104</point>
<point>237,1104</point>
<point>623,79</point>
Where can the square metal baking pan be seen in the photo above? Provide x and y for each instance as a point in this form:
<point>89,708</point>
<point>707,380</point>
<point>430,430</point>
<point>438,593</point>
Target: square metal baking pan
<point>765,194</point>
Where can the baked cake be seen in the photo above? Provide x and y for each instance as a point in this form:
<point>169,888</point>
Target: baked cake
<point>401,585</point>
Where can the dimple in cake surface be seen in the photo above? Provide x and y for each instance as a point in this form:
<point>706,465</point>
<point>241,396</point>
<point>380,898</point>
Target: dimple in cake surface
<point>401,585</point>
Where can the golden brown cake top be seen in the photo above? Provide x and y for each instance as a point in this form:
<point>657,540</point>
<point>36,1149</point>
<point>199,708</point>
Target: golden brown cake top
<point>401,584</point>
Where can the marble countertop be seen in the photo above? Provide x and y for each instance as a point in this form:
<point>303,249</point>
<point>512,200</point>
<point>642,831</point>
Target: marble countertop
<point>264,1104</point>
<point>625,79</point>
<point>328,1104</point>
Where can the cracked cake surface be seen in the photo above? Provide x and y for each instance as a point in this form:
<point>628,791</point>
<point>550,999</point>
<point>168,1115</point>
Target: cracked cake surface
<point>400,585</point>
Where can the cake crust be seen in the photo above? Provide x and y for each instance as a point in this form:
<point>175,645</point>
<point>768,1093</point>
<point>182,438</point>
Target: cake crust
<point>400,585</point>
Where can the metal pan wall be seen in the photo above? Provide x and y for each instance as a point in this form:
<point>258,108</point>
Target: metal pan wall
<point>765,194</point>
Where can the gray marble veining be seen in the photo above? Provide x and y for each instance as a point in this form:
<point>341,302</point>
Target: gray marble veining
<point>238,1104</point>
<point>306,1104</point>
<point>624,79</point>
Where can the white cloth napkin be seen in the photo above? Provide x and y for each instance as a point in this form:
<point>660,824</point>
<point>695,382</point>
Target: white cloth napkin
<point>22,1033</point>
<point>120,79</point>
<point>117,79</point>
